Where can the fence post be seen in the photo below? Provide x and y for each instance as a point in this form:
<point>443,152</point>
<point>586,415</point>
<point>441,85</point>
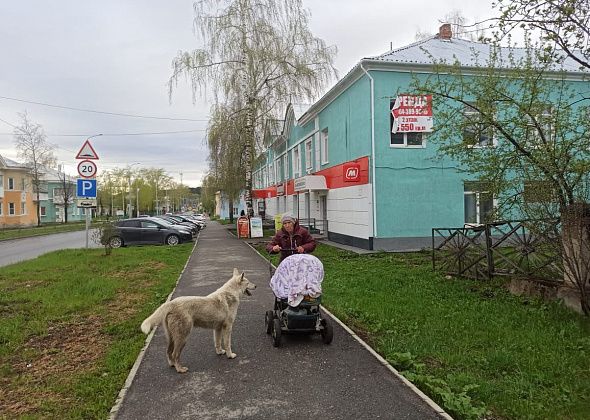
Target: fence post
<point>489,255</point>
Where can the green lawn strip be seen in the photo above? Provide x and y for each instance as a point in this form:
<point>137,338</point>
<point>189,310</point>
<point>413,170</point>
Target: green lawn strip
<point>472,346</point>
<point>69,330</point>
<point>27,232</point>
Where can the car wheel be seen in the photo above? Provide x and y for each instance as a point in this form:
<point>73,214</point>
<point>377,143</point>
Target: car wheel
<point>172,240</point>
<point>268,319</point>
<point>276,332</point>
<point>116,242</point>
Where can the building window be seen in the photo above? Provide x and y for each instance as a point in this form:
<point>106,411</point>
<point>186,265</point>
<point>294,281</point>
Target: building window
<point>11,209</point>
<point>479,203</point>
<point>540,130</point>
<point>285,166</point>
<point>324,146</point>
<point>271,173</point>
<point>43,211</point>
<point>296,162</point>
<point>408,140</point>
<point>11,183</point>
<point>308,155</point>
<point>536,192</point>
<point>23,209</point>
<point>22,184</point>
<point>476,132</point>
<point>1,205</point>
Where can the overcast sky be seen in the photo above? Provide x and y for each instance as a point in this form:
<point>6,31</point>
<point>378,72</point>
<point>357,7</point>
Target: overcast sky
<point>114,56</point>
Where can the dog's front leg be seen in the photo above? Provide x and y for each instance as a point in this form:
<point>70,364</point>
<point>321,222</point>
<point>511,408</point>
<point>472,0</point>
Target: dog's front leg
<point>227,341</point>
<point>217,332</point>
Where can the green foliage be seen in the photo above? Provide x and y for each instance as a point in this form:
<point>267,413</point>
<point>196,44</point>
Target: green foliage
<point>471,350</point>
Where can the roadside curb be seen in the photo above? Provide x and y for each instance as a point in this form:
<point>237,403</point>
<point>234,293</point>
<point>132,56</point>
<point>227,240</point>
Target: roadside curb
<point>123,392</point>
<point>381,360</point>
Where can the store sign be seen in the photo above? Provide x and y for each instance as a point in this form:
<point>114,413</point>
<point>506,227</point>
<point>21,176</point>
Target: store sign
<point>256,227</point>
<point>280,190</point>
<point>243,227</point>
<point>351,172</point>
<point>310,182</point>
<point>412,114</point>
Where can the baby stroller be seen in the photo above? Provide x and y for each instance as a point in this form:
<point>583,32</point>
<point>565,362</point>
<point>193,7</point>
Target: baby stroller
<point>296,285</point>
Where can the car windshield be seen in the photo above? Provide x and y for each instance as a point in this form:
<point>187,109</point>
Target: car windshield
<point>164,222</point>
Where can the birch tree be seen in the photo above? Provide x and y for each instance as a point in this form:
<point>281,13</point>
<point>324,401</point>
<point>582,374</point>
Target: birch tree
<point>36,152</point>
<point>564,25</point>
<point>258,54</point>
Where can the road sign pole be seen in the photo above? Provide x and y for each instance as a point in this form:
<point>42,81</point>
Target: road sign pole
<point>88,211</point>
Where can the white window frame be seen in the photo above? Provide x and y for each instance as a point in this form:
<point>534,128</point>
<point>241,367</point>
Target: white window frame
<point>1,206</point>
<point>405,144</point>
<point>545,119</point>
<point>324,136</point>
<point>23,208</point>
<point>11,209</point>
<point>470,112</point>
<point>10,184</point>
<point>43,211</point>
<point>285,166</point>
<point>309,154</point>
<point>478,204</point>
<point>296,162</point>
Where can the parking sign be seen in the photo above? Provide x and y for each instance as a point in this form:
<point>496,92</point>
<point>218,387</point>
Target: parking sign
<point>86,188</point>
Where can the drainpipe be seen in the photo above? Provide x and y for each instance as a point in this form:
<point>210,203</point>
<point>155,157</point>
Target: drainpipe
<point>372,149</point>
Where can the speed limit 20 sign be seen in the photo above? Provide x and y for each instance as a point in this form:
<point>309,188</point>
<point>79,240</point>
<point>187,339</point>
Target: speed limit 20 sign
<point>87,169</point>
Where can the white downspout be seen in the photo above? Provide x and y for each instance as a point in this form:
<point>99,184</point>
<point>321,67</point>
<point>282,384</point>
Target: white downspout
<point>373,181</point>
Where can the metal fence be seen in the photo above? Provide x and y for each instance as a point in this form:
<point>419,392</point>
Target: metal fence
<point>492,249</point>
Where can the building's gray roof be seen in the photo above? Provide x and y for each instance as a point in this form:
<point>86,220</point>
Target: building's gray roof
<point>11,163</point>
<point>468,53</point>
<point>422,55</point>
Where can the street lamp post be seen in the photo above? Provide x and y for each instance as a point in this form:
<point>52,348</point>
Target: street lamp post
<point>130,214</point>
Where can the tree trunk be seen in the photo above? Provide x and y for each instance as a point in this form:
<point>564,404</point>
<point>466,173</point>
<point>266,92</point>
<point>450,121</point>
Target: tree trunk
<point>249,152</point>
<point>38,208</point>
<point>231,210</point>
<point>576,250</point>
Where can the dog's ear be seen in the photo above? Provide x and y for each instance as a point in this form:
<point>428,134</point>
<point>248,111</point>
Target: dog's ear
<point>236,272</point>
<point>242,277</point>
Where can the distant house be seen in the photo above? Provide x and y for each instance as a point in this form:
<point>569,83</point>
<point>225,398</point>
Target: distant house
<point>55,189</point>
<point>222,205</point>
<point>17,206</point>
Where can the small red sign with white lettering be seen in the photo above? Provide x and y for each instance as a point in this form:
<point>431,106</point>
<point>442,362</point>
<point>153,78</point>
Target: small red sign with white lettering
<point>351,172</point>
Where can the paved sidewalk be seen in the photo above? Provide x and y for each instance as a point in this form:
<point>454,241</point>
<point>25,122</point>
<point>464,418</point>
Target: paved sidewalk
<point>303,378</point>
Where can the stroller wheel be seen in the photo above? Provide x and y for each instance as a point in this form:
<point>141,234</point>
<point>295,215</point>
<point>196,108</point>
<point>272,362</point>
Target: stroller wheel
<point>276,332</point>
<point>327,332</point>
<point>268,318</point>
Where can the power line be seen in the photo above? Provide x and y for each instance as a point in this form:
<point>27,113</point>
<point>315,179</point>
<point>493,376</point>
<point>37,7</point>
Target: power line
<point>111,134</point>
<point>100,112</point>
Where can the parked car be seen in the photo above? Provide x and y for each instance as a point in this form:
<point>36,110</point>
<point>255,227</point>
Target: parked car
<point>147,230</point>
<point>194,228</point>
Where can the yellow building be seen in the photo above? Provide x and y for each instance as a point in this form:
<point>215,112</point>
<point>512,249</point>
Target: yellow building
<point>17,205</point>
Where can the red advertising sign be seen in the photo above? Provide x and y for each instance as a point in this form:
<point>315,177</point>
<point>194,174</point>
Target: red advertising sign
<point>351,172</point>
<point>243,227</point>
<point>412,114</point>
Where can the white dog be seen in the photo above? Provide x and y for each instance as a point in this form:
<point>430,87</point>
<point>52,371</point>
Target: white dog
<point>216,311</point>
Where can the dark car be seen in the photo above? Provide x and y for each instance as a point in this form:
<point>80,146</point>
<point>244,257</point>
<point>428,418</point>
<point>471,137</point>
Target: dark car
<point>147,230</point>
<point>177,222</point>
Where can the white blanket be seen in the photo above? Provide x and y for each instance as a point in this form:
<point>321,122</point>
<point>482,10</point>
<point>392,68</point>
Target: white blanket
<point>297,276</point>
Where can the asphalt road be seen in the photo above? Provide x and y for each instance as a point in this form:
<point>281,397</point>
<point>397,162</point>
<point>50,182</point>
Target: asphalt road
<point>16,250</point>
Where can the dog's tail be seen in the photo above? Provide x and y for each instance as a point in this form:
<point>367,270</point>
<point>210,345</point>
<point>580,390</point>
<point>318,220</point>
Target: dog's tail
<point>154,319</point>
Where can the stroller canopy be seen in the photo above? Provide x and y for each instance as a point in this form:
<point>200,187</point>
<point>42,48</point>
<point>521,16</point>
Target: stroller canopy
<point>297,276</point>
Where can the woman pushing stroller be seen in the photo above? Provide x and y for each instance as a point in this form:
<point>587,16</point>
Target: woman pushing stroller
<point>291,239</point>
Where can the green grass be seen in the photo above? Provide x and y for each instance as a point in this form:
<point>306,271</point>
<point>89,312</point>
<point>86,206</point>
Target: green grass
<point>25,232</point>
<point>69,326</point>
<point>472,346</point>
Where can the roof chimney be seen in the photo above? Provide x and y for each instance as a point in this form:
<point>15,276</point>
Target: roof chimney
<point>445,31</point>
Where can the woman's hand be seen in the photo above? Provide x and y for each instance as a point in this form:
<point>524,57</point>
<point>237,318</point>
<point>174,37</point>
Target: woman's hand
<point>276,248</point>
<point>300,249</point>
